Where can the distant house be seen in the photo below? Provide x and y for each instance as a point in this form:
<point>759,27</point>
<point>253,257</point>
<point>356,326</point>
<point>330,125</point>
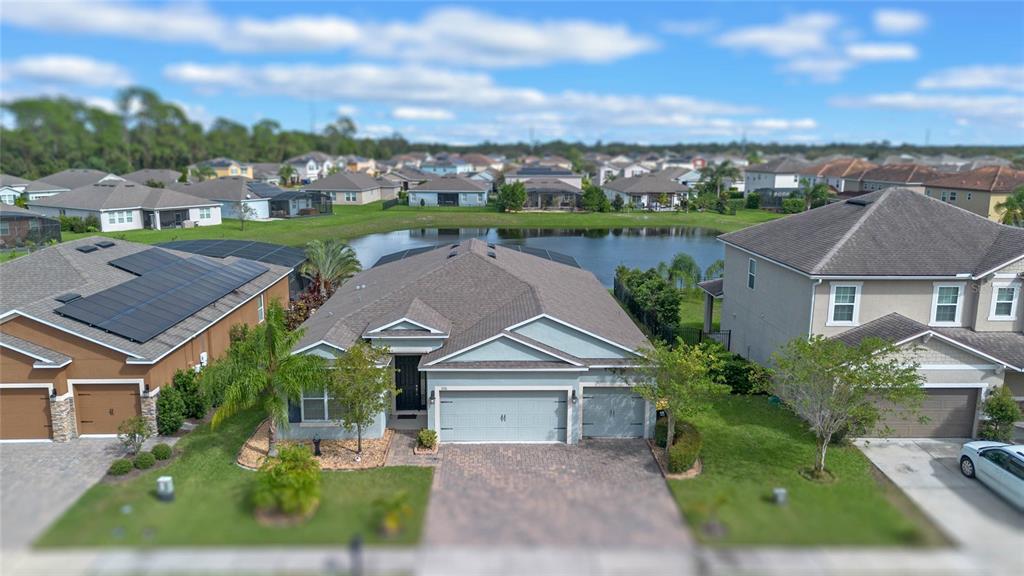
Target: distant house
<point>446,167</point>
<point>20,228</point>
<point>230,193</point>
<point>11,188</point>
<point>979,190</point>
<point>911,176</point>
<point>842,174</point>
<point>225,167</point>
<point>633,169</point>
<point>527,173</point>
<point>267,172</point>
<point>65,180</point>
<point>147,175</point>
<point>406,177</point>
<point>556,161</point>
<point>480,162</point>
<point>606,172</point>
<point>690,162</point>
<point>649,191</point>
<point>354,188</point>
<point>356,164</point>
<point>551,194</point>
<point>775,178</point>
<point>450,191</point>
<point>125,205</point>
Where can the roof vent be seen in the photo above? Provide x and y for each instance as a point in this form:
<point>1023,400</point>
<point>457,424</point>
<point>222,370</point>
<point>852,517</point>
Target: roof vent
<point>453,254</point>
<point>104,243</point>
<point>456,245</point>
<point>65,298</point>
<point>492,254</point>
<point>87,248</point>
<point>490,245</point>
<point>859,201</point>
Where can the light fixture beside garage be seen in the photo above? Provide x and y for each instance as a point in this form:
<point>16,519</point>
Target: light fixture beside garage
<point>432,397</point>
<point>574,397</point>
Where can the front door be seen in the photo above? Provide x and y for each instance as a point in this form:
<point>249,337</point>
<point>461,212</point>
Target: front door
<point>412,394</point>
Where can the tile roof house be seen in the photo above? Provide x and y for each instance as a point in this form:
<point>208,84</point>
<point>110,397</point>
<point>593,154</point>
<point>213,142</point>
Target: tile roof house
<point>980,190</point>
<point>124,205</point>
<point>92,329</point>
<point>894,264</point>
<point>910,176</point>
<point>840,174</point>
<point>490,343</point>
<point>354,188</point>
<point>450,190</point>
<point>649,191</point>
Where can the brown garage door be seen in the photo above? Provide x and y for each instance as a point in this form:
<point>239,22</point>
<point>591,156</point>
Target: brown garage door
<point>950,413</point>
<point>24,413</point>
<point>101,408</point>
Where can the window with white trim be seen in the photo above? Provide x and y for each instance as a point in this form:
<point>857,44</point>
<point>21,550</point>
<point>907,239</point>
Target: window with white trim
<point>844,304</point>
<point>261,311</point>
<point>947,302</point>
<point>317,406</point>
<point>111,218</point>
<point>351,197</point>
<point>751,273</point>
<point>128,216</point>
<point>1005,296</point>
<point>205,213</point>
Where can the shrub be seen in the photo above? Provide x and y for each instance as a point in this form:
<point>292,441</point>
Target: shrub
<point>120,467</point>
<point>661,426</point>
<point>1001,411</point>
<point>793,205</point>
<point>618,203</point>
<point>685,449</point>
<point>170,411</point>
<point>391,512</point>
<point>743,376</point>
<point>289,483</point>
<point>427,438</point>
<point>753,201</point>
<point>132,433</point>
<point>238,332</point>
<point>145,460</point>
<point>162,451</point>
<point>734,205</point>
<point>195,403</point>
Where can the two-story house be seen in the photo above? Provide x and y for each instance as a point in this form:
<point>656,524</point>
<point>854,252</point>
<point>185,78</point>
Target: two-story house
<point>775,178</point>
<point>838,173</point>
<point>911,176</point>
<point>980,190</point>
<point>894,264</point>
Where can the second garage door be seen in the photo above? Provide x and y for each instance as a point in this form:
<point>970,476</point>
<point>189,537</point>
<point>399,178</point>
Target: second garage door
<point>950,414</point>
<point>24,413</point>
<point>613,413</point>
<point>100,408</point>
<point>527,416</point>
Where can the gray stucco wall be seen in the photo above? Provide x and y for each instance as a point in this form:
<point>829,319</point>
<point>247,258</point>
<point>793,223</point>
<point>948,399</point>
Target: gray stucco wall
<point>564,338</point>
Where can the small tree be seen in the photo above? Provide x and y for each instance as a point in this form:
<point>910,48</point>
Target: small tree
<point>245,212</point>
<point>834,386</point>
<point>682,377</point>
<point>286,173</point>
<point>618,203</point>
<point>363,386</point>
<point>511,196</point>
<point>1002,413</point>
<point>594,199</point>
<point>133,433</point>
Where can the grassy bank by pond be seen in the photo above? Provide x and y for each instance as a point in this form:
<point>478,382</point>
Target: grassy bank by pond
<point>210,506</point>
<point>353,221</point>
<point>750,447</point>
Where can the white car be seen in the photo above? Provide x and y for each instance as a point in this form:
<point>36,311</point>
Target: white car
<point>999,466</point>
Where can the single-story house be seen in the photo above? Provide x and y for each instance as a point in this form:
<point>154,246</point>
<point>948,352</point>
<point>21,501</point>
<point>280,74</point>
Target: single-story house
<point>489,344</point>
<point>650,191</point>
<point>268,172</point>
<point>551,194</point>
<point>147,175</point>
<point>526,173</point>
<point>124,205</point>
<point>20,228</point>
<point>407,178</point>
<point>354,188</point>
<point>11,188</point>
<point>91,330</point>
<point>450,191</point>
<point>231,193</point>
<point>66,180</point>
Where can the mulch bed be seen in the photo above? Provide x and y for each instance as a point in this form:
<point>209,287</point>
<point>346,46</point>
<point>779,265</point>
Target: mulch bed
<point>659,456</point>
<point>335,454</point>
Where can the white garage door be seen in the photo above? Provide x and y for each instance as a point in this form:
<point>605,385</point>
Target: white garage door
<point>514,416</point>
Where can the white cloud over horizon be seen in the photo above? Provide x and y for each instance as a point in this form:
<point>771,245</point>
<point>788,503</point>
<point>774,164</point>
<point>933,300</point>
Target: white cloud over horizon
<point>419,113</point>
<point>898,21</point>
<point>63,70</point>
<point>980,77</point>
<point>998,106</point>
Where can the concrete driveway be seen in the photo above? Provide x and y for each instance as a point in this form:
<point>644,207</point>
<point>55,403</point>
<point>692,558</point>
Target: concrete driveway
<point>606,494</point>
<point>927,470</point>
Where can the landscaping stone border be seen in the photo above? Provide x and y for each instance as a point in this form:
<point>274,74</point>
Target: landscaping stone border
<point>335,454</point>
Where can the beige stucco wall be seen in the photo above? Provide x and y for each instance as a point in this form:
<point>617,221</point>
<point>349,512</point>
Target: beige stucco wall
<point>910,298</point>
<point>985,292</point>
<point>980,202</point>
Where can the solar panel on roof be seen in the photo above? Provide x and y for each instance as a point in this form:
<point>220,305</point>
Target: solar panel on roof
<point>146,261</point>
<point>144,307</point>
<point>258,251</point>
<point>64,298</point>
<point>87,248</point>
<point>395,256</point>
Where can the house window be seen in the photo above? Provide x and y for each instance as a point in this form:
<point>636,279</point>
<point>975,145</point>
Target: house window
<point>317,406</point>
<point>350,197</point>
<point>261,310</point>
<point>946,304</point>
<point>128,216</point>
<point>33,225</point>
<point>1004,301</point>
<point>844,305</point>
<point>111,218</point>
<point>234,171</point>
<point>751,273</point>
<point>5,228</point>
<point>952,195</point>
<point>204,213</point>
<point>120,217</point>
<point>970,195</point>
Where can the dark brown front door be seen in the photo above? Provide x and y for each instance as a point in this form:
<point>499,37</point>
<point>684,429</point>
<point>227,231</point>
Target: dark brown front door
<point>24,413</point>
<point>101,408</point>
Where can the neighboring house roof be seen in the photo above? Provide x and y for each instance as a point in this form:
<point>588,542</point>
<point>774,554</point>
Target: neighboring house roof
<point>265,170</point>
<point>478,295</point>
<point>891,232</point>
<point>550,185</point>
<point>121,195</point>
<point>44,357</point>
<point>318,157</point>
<point>76,178</point>
<point>29,285</point>
<point>713,287</point>
<point>228,189</point>
<point>13,181</point>
<point>348,182</point>
<point>452,184</point>
<point>540,171</point>
<point>411,174</point>
<point>37,186</point>
<point>985,179</point>
<point>1005,347</point>
<point>220,162</point>
<point>839,168</point>
<point>478,159</point>
<point>784,165</point>
<point>155,174</point>
<point>900,174</point>
<point>16,211</point>
<point>653,183</point>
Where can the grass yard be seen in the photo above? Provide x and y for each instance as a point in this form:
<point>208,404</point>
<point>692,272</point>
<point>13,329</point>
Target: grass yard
<point>751,447</point>
<point>353,221</point>
<point>691,311</point>
<point>210,507</point>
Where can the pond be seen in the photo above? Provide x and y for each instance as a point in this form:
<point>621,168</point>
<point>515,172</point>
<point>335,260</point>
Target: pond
<point>599,250</point>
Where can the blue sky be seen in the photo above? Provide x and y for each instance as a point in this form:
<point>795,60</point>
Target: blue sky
<point>952,72</point>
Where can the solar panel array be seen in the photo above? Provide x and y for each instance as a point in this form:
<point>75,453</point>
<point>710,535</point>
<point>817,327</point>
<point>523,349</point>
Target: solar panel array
<point>259,251</point>
<point>146,261</point>
<point>539,252</point>
<point>394,257</point>
<point>144,307</point>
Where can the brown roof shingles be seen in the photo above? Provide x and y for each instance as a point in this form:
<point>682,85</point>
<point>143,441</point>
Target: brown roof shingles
<point>985,179</point>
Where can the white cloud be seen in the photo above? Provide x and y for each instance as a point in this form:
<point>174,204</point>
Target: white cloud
<point>894,21</point>
<point>689,28</point>
<point>784,124</point>
<point>470,37</point>
<point>795,35</point>
<point>65,69</point>
<point>418,113</point>
<point>376,130</point>
<point>881,51</point>
<point>975,78</point>
<point>820,69</point>
<point>978,106</point>
<point>346,110</point>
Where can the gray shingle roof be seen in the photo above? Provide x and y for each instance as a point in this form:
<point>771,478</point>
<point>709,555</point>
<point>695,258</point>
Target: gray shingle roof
<point>892,232</point>
<point>653,183</point>
<point>228,189</point>
<point>8,180</point>
<point>44,357</point>
<point>452,184</point>
<point>550,185</point>
<point>74,178</point>
<point>29,284</point>
<point>784,165</point>
<point>121,195</point>
<point>348,182</point>
<point>479,296</point>
<point>164,175</point>
<point>713,287</point>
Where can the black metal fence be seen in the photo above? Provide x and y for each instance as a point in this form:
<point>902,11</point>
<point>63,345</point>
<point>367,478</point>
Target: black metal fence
<point>667,332</point>
<point>389,203</point>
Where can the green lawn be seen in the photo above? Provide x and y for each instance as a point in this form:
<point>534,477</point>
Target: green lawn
<point>751,447</point>
<point>210,506</point>
<point>353,221</point>
<point>691,311</point>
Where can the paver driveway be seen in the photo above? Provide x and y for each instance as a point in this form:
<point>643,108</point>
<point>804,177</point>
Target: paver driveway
<point>605,494</point>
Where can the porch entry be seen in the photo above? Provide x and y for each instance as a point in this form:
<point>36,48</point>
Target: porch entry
<point>412,383</point>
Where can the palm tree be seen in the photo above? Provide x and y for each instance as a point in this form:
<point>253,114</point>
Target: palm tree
<point>203,173</point>
<point>1012,209</point>
<point>715,270</point>
<point>684,271</point>
<point>286,172</point>
<point>260,371</point>
<point>814,195</point>
<point>714,175</point>
<point>330,263</point>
